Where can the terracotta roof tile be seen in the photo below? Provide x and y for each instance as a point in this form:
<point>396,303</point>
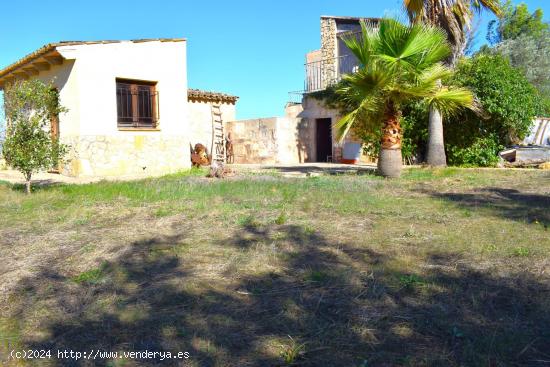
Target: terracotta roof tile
<point>196,95</point>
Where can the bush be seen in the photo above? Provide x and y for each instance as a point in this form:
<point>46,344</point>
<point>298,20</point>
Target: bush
<point>483,152</point>
<point>510,101</point>
<point>415,131</point>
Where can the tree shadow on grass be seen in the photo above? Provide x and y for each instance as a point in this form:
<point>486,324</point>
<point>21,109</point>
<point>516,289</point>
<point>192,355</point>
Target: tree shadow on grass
<point>330,304</point>
<point>507,203</point>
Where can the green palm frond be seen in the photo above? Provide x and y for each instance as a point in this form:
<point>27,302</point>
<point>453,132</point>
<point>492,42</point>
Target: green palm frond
<point>364,45</point>
<point>451,100</point>
<point>404,63</point>
<point>344,125</point>
<point>434,73</point>
<point>494,6</point>
<point>364,89</point>
<point>369,79</point>
<point>411,47</point>
<point>453,16</point>
<point>368,113</point>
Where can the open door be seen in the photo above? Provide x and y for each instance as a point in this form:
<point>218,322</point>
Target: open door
<point>324,139</point>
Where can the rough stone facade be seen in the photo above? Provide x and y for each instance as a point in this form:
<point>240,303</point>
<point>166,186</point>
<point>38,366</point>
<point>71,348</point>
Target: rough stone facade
<point>105,155</point>
<point>329,51</point>
<point>275,140</point>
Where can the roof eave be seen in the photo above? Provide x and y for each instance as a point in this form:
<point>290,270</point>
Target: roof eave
<point>31,65</point>
<point>48,55</point>
<point>196,95</point>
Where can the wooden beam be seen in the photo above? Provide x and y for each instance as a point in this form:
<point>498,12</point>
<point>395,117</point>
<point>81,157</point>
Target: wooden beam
<point>21,75</point>
<point>41,66</point>
<point>54,60</point>
<point>31,71</point>
<point>9,80</point>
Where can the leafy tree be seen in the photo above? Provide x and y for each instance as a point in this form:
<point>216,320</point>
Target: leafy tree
<point>530,54</point>
<point>455,18</point>
<point>509,101</point>
<point>515,22</point>
<point>524,38</point>
<point>398,64</point>
<point>29,147</point>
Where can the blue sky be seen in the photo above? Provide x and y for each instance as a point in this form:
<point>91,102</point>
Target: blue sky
<point>254,49</point>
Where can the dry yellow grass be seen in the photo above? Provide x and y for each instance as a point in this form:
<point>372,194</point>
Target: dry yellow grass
<point>441,268</point>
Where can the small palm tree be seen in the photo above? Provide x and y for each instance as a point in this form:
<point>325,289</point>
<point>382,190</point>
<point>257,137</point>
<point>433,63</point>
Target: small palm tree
<point>399,63</point>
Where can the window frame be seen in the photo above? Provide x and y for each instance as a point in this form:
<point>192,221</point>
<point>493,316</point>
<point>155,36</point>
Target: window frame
<point>141,110</point>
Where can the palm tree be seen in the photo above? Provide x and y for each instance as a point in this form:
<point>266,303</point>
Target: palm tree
<point>455,18</point>
<point>399,63</point>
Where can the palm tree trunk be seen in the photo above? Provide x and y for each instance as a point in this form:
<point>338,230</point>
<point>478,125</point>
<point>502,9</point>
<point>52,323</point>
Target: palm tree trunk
<point>390,160</point>
<point>436,148</point>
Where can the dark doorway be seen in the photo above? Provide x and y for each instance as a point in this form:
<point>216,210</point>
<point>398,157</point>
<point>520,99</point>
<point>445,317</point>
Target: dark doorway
<point>323,137</point>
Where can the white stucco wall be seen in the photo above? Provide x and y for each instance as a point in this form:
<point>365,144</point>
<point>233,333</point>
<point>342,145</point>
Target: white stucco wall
<point>64,78</point>
<point>200,121</point>
<point>90,127</point>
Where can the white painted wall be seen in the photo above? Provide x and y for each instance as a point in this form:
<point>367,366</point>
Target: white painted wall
<point>98,66</point>
<point>64,78</point>
<point>87,84</point>
<point>200,120</point>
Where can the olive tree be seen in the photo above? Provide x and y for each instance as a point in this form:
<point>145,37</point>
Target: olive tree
<point>30,146</point>
<point>532,56</point>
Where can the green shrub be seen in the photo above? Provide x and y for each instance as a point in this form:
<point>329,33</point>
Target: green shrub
<point>415,130</point>
<point>483,152</point>
<point>509,100</point>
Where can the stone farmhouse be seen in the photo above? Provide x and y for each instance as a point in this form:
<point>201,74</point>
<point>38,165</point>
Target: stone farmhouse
<point>305,133</point>
<point>130,110</point>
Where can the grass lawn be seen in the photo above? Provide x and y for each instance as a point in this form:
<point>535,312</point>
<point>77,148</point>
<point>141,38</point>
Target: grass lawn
<point>440,268</point>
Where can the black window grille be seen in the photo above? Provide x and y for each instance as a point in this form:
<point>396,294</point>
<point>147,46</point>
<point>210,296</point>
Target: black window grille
<point>137,105</point>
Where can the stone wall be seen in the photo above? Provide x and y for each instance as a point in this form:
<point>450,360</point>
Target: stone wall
<point>275,140</point>
<point>329,51</point>
<point>135,154</point>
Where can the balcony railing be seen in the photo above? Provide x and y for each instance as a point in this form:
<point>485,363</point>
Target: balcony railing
<point>324,73</point>
<point>295,97</point>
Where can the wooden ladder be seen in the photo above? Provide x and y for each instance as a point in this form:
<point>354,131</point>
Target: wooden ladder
<point>218,136</point>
